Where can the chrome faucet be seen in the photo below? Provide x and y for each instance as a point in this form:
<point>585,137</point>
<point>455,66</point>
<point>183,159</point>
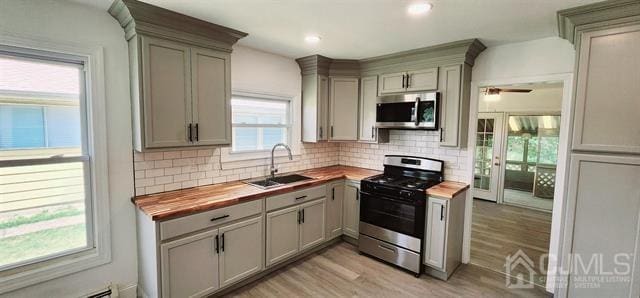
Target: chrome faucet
<point>273,167</point>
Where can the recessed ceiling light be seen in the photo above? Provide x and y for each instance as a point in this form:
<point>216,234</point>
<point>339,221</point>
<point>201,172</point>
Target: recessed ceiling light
<point>419,8</point>
<point>312,39</point>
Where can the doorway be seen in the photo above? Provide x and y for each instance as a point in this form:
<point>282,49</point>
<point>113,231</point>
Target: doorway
<point>515,154</point>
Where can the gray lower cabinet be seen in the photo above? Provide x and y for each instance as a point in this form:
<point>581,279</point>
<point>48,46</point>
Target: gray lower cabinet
<point>189,266</point>
<point>351,209</point>
<point>444,229</point>
<point>603,203</point>
<point>197,265</point>
<point>240,250</point>
<point>335,198</point>
<point>283,234</point>
<point>343,107</point>
<point>312,227</point>
<point>294,229</point>
<point>181,94</point>
<point>408,81</point>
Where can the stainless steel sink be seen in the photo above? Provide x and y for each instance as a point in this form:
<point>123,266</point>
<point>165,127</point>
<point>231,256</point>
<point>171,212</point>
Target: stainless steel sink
<point>278,181</point>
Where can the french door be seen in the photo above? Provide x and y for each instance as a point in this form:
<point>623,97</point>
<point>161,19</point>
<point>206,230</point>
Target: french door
<point>488,149</point>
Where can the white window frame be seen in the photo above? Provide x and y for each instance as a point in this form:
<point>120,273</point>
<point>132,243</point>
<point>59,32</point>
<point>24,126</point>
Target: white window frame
<point>98,251</point>
<point>255,154</point>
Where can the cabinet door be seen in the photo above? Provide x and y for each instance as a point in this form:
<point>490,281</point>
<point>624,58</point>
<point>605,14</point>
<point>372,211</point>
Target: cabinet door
<point>607,102</point>
<point>189,266</point>
<point>601,221</point>
<point>450,105</point>
<point>343,106</point>
<point>368,96</point>
<point>436,233</point>
<point>323,108</point>
<point>313,224</point>
<point>241,250</point>
<point>334,210</point>
<point>351,211</point>
<point>167,93</point>
<point>422,80</point>
<point>211,91</point>
<point>391,83</point>
<point>283,234</point>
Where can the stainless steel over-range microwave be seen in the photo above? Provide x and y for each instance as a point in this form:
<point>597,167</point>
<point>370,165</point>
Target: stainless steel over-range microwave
<point>408,111</point>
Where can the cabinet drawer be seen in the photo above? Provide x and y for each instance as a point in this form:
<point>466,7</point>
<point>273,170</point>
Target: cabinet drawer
<point>186,224</point>
<point>296,197</point>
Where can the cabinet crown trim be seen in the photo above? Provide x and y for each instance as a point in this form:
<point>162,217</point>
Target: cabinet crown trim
<point>569,19</point>
<point>139,17</point>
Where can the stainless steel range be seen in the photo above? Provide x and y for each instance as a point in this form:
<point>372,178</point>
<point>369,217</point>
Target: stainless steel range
<point>392,210</point>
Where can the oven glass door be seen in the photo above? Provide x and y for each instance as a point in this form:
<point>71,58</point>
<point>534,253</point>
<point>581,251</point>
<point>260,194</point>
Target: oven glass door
<point>396,113</point>
<point>392,214</point>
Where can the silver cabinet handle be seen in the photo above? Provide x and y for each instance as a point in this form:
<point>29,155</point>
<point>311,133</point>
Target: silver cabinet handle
<point>321,132</point>
<point>373,132</point>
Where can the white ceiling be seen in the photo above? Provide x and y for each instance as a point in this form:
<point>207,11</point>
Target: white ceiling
<point>366,28</point>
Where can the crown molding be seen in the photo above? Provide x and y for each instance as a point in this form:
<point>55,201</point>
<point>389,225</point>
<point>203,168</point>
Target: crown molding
<point>139,17</point>
<point>570,20</point>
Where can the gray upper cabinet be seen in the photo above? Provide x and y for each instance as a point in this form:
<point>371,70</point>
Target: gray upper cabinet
<point>421,80</point>
<point>408,81</point>
<point>166,92</point>
<point>455,81</point>
<point>607,106</point>
<point>180,76</point>
<point>315,108</point>
<point>343,107</point>
<point>368,94</point>
<point>211,94</point>
<point>392,83</point>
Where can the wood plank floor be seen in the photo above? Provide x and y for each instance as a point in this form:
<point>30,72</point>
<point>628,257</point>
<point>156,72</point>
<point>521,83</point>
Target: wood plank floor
<point>339,271</point>
<point>500,230</point>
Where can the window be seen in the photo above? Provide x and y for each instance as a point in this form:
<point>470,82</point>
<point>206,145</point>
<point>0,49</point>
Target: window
<point>45,158</point>
<point>258,123</point>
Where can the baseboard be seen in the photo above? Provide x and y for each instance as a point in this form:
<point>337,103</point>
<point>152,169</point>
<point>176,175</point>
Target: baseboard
<point>269,270</point>
<point>128,291</point>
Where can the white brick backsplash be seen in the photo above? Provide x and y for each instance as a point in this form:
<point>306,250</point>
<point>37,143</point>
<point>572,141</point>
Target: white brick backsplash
<point>177,169</point>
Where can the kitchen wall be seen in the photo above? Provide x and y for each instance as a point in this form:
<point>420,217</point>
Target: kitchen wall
<point>252,71</point>
<point>407,142</point>
<point>65,23</point>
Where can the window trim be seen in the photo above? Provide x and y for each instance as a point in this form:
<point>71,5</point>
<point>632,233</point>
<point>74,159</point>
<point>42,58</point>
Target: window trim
<point>264,97</point>
<point>98,251</point>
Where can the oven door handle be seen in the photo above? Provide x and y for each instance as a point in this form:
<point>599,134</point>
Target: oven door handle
<point>365,195</point>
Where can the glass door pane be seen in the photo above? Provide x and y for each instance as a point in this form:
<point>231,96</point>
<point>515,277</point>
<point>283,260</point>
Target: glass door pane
<point>484,154</point>
<point>532,154</point>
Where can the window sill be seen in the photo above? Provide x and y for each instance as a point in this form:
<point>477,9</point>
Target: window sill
<point>23,276</point>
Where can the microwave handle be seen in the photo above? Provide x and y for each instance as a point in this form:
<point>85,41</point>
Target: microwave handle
<point>417,112</point>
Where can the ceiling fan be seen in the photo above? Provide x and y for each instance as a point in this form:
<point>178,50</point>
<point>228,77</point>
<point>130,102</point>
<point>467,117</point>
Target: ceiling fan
<point>494,90</point>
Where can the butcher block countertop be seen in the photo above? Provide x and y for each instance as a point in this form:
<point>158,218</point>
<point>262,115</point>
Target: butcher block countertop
<point>447,189</point>
<point>172,204</point>
<point>182,202</point>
